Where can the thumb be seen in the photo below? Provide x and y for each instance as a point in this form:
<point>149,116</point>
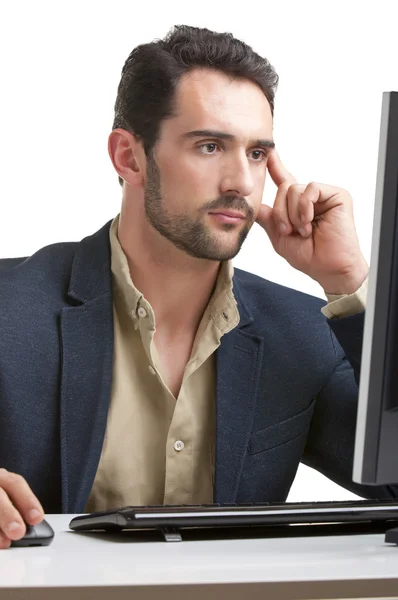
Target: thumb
<point>266,220</point>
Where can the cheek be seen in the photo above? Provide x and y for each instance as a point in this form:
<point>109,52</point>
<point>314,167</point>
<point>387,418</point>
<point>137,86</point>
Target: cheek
<point>256,204</point>
<point>257,196</point>
<point>177,172</point>
<point>190,179</point>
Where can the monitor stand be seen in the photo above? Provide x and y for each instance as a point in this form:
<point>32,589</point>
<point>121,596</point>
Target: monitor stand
<point>171,534</point>
<point>392,536</point>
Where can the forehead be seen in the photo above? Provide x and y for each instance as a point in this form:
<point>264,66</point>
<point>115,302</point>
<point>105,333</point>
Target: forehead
<point>208,99</point>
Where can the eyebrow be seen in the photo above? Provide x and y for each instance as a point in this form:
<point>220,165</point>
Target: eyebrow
<point>211,133</point>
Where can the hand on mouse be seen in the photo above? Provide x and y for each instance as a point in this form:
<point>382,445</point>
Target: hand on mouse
<point>18,505</point>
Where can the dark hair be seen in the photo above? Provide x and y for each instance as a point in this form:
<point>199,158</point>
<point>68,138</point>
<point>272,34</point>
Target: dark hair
<point>152,71</point>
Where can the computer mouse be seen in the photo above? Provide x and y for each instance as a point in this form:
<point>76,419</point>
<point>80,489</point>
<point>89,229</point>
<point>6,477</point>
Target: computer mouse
<point>41,534</point>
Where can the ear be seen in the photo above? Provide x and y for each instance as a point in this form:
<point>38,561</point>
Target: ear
<point>128,156</point>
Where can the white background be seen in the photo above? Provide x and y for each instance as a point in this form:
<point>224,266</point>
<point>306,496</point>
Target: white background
<point>60,67</point>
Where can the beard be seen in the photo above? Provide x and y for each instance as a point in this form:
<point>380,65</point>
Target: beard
<point>190,233</point>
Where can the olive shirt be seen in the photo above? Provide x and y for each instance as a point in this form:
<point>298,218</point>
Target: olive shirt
<point>159,449</point>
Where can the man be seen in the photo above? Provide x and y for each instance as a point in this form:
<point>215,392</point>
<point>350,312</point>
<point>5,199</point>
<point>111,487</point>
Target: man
<point>136,367</point>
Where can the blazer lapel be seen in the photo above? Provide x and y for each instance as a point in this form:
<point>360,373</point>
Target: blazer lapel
<point>238,361</point>
<point>86,378</point>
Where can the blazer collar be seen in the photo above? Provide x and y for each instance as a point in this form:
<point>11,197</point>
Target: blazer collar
<point>91,268</point>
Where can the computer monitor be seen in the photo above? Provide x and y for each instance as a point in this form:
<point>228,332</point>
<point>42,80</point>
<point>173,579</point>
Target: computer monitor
<point>376,442</point>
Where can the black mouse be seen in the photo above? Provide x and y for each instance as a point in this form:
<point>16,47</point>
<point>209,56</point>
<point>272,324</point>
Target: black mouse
<point>41,534</point>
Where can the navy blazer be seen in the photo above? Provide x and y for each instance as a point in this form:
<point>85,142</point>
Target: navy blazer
<point>286,381</point>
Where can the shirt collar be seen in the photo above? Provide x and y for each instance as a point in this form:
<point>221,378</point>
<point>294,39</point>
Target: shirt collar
<point>222,305</point>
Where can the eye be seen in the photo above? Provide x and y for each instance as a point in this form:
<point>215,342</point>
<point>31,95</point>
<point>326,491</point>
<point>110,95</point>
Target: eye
<point>260,155</point>
<point>210,147</point>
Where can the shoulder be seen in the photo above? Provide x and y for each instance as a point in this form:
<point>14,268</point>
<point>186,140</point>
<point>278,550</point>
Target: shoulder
<point>291,319</point>
<point>47,271</point>
<point>53,275</point>
<point>260,293</point>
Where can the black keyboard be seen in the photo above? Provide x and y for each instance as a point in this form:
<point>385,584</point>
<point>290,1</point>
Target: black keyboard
<point>170,519</point>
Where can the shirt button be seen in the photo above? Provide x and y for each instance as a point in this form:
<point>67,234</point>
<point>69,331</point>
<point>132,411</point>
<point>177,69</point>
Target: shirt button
<point>152,370</point>
<point>141,312</point>
<point>178,446</point>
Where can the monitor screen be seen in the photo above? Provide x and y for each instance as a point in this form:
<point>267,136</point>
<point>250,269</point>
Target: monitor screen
<point>376,442</point>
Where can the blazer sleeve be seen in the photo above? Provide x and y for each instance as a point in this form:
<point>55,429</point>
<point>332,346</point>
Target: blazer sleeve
<point>331,438</point>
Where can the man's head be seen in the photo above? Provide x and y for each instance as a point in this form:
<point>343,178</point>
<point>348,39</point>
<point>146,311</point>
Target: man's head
<point>192,129</point>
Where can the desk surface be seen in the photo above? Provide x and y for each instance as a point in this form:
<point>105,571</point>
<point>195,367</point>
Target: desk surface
<point>97,565</point>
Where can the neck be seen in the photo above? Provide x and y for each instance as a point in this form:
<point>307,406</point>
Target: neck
<point>177,286</point>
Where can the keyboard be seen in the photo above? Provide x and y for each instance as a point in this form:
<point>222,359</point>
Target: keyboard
<point>171,519</point>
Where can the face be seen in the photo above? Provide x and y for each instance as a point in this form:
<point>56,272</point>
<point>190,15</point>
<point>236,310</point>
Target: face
<point>205,181</point>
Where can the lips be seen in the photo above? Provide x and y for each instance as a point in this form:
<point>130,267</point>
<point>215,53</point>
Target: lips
<point>232,214</point>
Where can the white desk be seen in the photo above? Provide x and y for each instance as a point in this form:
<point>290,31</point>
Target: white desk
<point>97,566</point>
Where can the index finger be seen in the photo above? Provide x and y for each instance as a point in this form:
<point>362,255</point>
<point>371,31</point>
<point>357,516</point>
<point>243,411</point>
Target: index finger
<point>278,171</point>
<point>21,496</point>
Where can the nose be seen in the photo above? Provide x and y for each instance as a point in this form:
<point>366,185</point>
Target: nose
<point>237,177</point>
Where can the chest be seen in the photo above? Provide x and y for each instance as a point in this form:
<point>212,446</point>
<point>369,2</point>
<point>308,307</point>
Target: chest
<point>174,354</point>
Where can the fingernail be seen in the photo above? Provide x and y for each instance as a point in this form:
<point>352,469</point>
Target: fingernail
<point>34,513</point>
<point>282,228</point>
<point>12,527</point>
<point>302,232</point>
